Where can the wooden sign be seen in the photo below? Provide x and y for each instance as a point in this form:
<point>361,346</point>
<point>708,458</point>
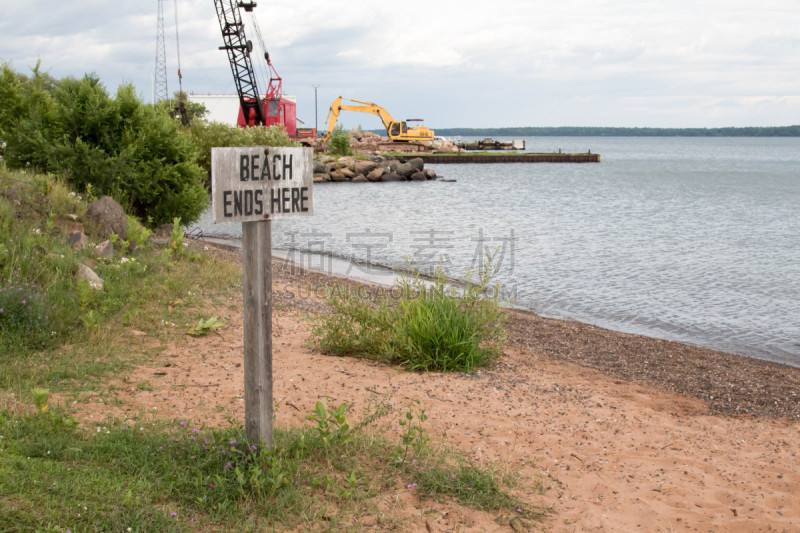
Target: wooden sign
<point>252,185</point>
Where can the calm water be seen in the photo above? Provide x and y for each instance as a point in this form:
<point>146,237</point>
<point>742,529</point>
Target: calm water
<point>689,239</point>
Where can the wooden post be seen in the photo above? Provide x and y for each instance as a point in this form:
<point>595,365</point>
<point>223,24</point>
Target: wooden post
<point>257,266</point>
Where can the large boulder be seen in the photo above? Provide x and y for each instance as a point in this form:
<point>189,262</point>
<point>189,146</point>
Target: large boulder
<point>319,167</point>
<point>429,173</point>
<point>418,163</point>
<point>342,174</point>
<point>365,167</point>
<point>376,174</point>
<point>418,176</point>
<point>405,170</point>
<point>108,216</point>
<point>346,162</point>
<point>359,179</point>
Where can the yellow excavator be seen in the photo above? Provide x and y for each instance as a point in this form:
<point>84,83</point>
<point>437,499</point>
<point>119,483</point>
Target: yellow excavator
<point>397,131</point>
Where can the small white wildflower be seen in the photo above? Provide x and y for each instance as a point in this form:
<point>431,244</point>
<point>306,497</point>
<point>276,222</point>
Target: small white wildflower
<point>124,260</point>
<point>37,231</point>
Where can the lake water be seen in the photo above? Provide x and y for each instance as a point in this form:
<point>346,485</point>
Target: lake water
<point>689,239</point>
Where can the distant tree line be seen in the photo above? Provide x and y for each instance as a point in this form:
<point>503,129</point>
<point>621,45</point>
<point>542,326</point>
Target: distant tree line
<point>588,131</point>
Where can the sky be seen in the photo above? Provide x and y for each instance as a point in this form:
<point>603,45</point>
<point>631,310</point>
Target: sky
<point>644,63</point>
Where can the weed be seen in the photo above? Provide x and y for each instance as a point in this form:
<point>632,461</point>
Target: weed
<point>204,327</point>
<point>340,141</point>
<point>429,327</point>
<point>137,234</point>
<point>40,398</point>
<point>413,435</point>
<point>330,425</point>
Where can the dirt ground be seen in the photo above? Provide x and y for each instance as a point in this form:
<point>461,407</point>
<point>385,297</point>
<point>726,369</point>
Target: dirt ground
<point>614,454</point>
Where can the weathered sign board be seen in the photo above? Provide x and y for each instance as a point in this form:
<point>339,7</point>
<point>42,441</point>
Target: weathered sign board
<point>253,185</point>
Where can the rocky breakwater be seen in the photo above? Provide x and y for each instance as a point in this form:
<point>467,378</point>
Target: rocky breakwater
<point>377,168</point>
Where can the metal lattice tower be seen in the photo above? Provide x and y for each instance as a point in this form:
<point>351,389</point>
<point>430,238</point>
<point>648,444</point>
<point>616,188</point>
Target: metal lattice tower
<point>160,91</point>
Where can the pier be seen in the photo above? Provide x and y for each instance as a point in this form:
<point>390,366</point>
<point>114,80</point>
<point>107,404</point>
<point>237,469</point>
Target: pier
<point>505,158</point>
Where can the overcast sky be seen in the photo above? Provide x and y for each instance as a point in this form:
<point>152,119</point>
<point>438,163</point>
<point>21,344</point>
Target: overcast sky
<point>662,63</point>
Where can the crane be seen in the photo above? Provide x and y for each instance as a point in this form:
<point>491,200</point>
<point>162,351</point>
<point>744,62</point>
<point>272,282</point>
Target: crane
<point>396,130</point>
<point>254,111</point>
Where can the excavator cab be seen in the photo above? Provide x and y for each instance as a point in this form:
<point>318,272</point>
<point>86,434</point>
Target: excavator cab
<point>397,128</point>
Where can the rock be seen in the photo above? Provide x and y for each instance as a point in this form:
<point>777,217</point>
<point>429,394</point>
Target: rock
<point>77,241</point>
<point>105,250</point>
<point>319,167</point>
<point>429,174</point>
<point>392,176</point>
<point>87,274</point>
<point>360,178</point>
<point>418,176</point>
<point>346,162</point>
<point>319,178</point>
<point>417,163</point>
<point>343,174</point>
<point>392,165</point>
<point>330,167</point>
<point>109,216</point>
<point>405,170</point>
<point>357,134</point>
<point>365,167</point>
<point>376,174</point>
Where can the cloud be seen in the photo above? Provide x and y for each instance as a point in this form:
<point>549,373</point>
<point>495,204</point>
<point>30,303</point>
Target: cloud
<point>648,63</point>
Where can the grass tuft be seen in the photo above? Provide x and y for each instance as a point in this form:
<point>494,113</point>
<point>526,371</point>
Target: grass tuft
<point>431,326</point>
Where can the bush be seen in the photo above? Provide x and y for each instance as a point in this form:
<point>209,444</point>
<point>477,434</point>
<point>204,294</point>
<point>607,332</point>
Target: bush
<point>430,327</point>
<point>340,141</point>
<point>205,136</point>
<point>115,146</point>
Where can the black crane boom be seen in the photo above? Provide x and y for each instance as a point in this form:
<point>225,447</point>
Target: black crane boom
<point>239,48</point>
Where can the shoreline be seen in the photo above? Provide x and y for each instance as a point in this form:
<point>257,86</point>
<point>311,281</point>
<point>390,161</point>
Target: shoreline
<point>610,449</point>
<point>729,383</point>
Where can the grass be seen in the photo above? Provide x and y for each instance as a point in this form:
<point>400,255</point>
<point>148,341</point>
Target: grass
<point>430,327</point>
<point>58,332</point>
<point>172,476</point>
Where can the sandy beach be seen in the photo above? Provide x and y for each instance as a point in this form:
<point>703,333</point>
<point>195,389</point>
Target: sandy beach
<point>623,432</point>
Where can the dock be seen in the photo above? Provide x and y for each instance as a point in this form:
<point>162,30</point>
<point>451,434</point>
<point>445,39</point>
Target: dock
<point>451,158</point>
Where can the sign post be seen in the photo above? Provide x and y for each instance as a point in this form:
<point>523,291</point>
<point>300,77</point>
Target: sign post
<point>253,185</point>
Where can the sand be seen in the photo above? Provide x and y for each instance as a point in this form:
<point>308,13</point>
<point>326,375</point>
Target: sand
<point>618,444</point>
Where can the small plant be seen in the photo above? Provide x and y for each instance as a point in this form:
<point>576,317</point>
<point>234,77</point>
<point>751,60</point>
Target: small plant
<point>204,327</point>
<point>330,424</point>
<point>176,246</point>
<point>137,234</point>
<point>340,141</point>
<point>412,434</point>
<point>40,398</point>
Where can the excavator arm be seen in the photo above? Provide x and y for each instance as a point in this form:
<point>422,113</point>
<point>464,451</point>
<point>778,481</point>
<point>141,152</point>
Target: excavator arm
<point>396,130</point>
